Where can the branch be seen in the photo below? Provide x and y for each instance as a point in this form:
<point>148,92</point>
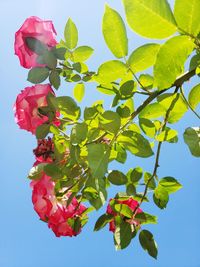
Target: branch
<point>156,165</point>
<point>178,83</point>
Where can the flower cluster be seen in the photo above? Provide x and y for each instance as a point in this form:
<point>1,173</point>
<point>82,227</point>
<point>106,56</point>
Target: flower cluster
<point>62,218</point>
<point>132,204</point>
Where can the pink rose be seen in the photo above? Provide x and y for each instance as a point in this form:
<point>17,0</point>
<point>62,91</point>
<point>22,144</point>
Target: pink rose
<point>36,28</point>
<point>27,104</point>
<point>131,203</point>
<point>58,221</point>
<point>59,217</point>
<point>43,197</point>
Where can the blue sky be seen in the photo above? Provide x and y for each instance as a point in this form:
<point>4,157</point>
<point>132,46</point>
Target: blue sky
<point>27,242</point>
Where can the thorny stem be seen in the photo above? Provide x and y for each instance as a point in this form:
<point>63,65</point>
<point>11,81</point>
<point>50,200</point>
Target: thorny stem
<point>178,83</point>
<point>156,165</point>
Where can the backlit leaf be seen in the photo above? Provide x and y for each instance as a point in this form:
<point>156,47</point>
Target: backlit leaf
<point>152,19</point>
<point>114,32</point>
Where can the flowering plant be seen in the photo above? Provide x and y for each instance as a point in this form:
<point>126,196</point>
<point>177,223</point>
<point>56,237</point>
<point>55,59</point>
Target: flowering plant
<point>76,146</point>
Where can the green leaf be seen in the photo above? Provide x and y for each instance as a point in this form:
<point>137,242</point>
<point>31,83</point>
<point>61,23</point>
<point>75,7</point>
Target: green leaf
<point>166,135</point>
<point>36,45</point>
<point>38,75</point>
<point>54,79</point>
<point>53,171</point>
<point>127,90</point>
<point>117,178</point>
<point>130,189</point>
<point>147,127</point>
<point>82,53</point>
<point>122,235</point>
<point>79,133</point>
<point>147,81</point>
<point>178,108</point>
<point>152,111</point>
<point>98,157</point>
<point>79,91</point>
<point>49,59</point>
<point>170,184</point>
<point>188,16</point>
<point>152,183</point>
<point>68,107</point>
<point>148,243</point>
<point>59,52</point>
<point>135,174</point>
<point>194,62</point>
<point>161,197</point>
<point>136,144</point>
<point>110,121</point>
<point>194,96</point>
<point>102,221</point>
<point>111,71</point>
<point>121,153</point>
<point>42,131</point>
<point>192,139</point>
<point>114,32</point>
<point>170,60</point>
<point>36,172</point>
<point>71,34</point>
<point>145,218</point>
<point>123,210</point>
<point>143,57</point>
<point>152,19</point>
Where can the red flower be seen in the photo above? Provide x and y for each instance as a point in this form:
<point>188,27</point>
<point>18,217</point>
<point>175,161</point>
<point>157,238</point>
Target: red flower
<point>36,28</point>
<point>57,214</point>
<point>44,150</point>
<point>43,197</point>
<point>131,203</point>
<point>27,104</point>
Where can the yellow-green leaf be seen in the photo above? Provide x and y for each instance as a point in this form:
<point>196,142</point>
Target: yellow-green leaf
<point>143,57</point>
<point>170,60</point>
<point>71,34</point>
<point>151,19</point>
<point>79,91</point>
<point>82,53</point>
<point>188,16</point>
<point>111,71</point>
<point>114,32</point>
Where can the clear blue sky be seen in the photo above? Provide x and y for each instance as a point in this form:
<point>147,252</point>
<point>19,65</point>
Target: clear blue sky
<point>27,242</point>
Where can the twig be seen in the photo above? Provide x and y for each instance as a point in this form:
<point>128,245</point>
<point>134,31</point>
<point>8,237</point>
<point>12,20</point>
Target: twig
<point>156,165</point>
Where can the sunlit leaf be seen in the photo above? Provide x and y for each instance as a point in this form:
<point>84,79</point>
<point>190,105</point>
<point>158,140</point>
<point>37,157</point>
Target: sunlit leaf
<point>114,32</point>
<point>71,34</point>
<point>188,16</point>
<point>143,57</point>
<point>171,59</point>
<point>152,19</point>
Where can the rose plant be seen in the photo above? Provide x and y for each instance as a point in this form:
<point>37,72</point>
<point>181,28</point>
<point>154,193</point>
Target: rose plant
<point>76,146</point>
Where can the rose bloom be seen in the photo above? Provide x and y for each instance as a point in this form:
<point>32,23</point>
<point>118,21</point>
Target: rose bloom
<point>43,196</point>
<point>33,27</point>
<point>27,104</point>
<point>52,211</point>
<point>44,150</point>
<point>131,203</point>
<point>58,221</point>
